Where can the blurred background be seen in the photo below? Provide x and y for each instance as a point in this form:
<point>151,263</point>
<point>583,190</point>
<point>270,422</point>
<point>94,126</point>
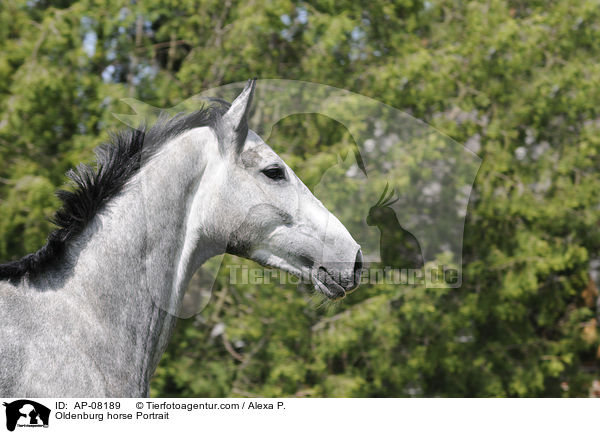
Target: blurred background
<point>517,82</point>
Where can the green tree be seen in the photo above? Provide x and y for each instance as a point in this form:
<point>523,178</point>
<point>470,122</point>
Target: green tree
<point>516,81</point>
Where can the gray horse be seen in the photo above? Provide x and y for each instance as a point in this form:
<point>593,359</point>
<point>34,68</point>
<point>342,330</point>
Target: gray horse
<point>90,313</point>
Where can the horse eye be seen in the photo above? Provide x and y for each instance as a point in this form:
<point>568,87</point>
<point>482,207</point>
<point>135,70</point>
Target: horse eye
<point>276,173</point>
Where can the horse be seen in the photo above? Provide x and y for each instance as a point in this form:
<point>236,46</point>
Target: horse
<point>91,312</point>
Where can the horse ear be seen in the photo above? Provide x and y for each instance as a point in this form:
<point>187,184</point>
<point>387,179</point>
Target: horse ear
<point>236,118</point>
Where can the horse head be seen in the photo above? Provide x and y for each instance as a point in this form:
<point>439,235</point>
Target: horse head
<point>262,211</point>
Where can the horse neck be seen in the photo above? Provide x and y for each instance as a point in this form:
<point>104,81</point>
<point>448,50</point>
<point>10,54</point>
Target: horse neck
<point>134,261</point>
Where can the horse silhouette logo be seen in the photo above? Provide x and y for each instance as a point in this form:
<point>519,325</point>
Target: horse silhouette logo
<point>416,227</point>
<point>26,413</point>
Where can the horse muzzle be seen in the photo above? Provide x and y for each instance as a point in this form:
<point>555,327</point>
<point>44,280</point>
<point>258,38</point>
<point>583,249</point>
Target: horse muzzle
<point>335,280</point>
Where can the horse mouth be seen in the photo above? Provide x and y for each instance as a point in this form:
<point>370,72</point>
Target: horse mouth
<point>322,280</point>
<point>326,285</point>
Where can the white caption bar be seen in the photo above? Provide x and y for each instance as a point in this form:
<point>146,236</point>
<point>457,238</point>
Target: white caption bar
<point>242,415</point>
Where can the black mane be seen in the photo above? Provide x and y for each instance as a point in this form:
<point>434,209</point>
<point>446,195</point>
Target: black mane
<point>116,162</point>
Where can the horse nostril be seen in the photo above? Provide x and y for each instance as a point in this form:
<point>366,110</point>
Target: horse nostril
<point>358,264</point>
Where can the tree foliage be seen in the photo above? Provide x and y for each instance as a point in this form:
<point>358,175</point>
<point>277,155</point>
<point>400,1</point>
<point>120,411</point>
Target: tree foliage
<point>517,81</point>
